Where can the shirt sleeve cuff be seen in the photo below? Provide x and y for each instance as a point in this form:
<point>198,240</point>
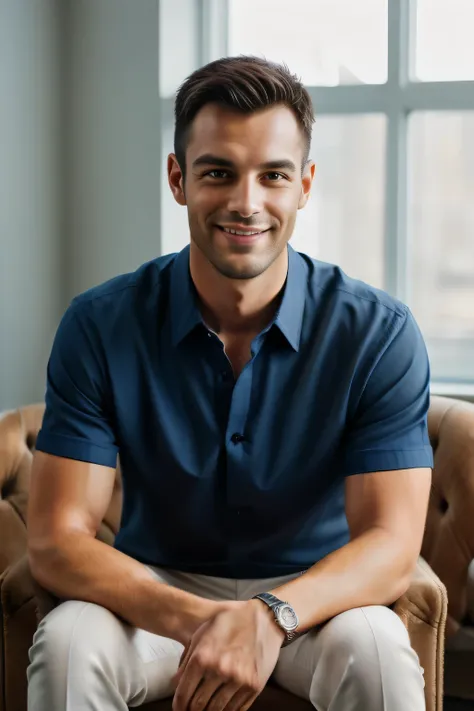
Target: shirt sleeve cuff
<point>75,448</point>
<point>366,461</point>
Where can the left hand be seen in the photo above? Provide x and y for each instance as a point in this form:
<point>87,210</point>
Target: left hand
<point>229,659</point>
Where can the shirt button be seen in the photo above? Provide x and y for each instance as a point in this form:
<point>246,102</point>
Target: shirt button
<point>225,375</point>
<point>237,437</point>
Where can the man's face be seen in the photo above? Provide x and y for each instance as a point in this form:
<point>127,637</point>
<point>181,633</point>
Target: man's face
<point>243,173</point>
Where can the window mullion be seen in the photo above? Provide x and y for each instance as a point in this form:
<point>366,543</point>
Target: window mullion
<point>213,29</point>
<point>397,248</point>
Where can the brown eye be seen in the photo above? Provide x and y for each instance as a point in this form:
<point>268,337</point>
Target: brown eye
<point>217,174</point>
<point>275,177</point>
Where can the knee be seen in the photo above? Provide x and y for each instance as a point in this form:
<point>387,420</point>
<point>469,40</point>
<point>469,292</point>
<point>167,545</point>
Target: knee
<point>368,633</point>
<point>369,650</point>
<point>367,636</point>
<point>74,629</point>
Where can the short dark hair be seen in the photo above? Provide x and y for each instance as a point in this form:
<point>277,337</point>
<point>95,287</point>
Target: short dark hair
<point>245,84</point>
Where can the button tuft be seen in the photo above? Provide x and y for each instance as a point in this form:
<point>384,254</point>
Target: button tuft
<point>237,437</point>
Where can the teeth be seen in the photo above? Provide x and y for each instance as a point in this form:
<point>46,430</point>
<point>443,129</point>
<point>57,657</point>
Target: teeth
<point>240,232</point>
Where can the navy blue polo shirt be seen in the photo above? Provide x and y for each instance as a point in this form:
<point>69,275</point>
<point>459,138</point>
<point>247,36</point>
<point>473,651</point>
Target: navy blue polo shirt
<point>237,478</point>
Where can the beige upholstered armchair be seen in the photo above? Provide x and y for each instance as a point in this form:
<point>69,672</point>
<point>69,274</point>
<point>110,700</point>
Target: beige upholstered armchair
<point>448,546</point>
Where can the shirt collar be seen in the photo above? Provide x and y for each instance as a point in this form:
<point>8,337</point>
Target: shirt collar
<point>185,314</point>
<point>289,318</point>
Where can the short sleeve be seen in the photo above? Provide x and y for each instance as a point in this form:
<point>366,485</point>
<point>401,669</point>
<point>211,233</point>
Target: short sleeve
<point>77,423</point>
<point>389,429</point>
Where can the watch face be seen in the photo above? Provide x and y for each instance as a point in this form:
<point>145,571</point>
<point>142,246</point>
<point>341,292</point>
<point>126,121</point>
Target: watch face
<point>287,617</point>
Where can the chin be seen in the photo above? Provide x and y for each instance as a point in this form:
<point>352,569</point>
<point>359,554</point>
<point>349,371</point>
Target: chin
<point>231,270</point>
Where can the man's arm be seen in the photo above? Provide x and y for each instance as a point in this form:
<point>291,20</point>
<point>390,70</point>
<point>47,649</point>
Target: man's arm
<point>68,500</point>
<point>386,513</point>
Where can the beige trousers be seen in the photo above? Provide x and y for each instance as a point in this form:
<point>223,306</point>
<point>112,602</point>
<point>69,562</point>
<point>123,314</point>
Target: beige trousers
<point>84,658</point>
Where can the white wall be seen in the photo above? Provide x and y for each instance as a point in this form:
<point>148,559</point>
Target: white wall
<point>30,250</point>
<point>80,166</point>
<point>114,164</point>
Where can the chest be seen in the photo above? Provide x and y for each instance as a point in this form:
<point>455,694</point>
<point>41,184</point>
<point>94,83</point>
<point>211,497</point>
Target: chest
<point>238,351</point>
<point>269,429</point>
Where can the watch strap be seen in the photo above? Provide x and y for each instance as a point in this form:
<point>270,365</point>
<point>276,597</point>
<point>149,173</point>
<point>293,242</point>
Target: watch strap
<point>272,601</point>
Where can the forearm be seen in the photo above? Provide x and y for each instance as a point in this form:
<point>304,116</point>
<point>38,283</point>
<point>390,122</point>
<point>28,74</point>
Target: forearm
<point>372,569</point>
<point>83,568</point>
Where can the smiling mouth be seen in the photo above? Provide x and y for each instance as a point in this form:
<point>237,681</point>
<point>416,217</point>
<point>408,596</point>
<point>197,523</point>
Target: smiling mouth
<point>243,233</point>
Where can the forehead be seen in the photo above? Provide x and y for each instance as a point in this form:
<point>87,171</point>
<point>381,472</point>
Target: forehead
<point>271,133</point>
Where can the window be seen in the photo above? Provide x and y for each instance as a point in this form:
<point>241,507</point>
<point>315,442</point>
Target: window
<point>443,40</point>
<point>392,82</point>
<point>441,221</point>
<point>325,42</point>
<point>343,220</point>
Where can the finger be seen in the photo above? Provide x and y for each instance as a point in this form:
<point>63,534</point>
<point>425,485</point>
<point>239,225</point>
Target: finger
<point>185,654</point>
<point>182,664</point>
<point>208,689</point>
<point>241,701</point>
<point>222,698</point>
<point>187,685</point>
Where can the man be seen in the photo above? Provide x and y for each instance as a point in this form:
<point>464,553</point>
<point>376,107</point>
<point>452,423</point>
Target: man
<point>270,417</point>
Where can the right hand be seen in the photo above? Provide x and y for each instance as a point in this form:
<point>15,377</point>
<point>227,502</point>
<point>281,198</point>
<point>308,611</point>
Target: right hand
<point>205,611</point>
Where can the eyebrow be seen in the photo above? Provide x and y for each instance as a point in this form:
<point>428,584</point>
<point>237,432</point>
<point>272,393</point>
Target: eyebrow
<point>209,159</point>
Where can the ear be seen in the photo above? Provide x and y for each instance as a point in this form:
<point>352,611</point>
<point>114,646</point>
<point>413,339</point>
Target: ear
<point>176,179</point>
<point>306,183</point>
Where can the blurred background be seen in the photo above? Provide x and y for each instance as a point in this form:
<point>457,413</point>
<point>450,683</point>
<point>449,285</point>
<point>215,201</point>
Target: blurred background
<point>86,123</point>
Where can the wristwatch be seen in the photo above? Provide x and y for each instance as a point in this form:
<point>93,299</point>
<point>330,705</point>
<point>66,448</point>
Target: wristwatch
<point>285,616</point>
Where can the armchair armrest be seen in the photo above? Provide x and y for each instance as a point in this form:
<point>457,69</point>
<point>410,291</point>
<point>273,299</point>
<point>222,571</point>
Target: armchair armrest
<point>22,604</point>
<point>18,606</point>
<point>423,610</point>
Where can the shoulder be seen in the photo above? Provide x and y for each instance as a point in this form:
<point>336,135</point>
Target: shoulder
<point>354,305</point>
<point>108,315</point>
<point>115,297</point>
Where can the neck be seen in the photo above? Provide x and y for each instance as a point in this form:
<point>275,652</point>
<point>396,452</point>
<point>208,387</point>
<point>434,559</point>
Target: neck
<point>236,306</point>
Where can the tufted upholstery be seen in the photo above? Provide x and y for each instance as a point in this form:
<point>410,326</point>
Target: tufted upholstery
<point>422,608</point>
<point>448,543</point>
<point>18,432</point>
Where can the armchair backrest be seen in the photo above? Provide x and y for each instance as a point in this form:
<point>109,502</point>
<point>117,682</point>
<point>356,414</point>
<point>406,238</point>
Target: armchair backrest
<point>448,544</point>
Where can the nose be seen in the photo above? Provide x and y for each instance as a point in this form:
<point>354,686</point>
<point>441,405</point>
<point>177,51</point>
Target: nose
<point>245,197</point>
